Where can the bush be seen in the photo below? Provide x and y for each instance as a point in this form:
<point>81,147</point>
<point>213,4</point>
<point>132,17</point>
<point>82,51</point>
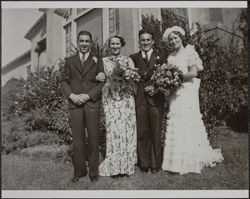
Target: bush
<point>16,136</point>
<point>223,91</point>
<point>9,98</point>
<point>40,102</point>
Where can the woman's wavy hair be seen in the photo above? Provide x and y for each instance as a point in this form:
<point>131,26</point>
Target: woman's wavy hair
<point>183,38</point>
<point>107,50</point>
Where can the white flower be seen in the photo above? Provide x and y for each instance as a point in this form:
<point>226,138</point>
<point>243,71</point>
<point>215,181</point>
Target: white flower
<point>95,59</point>
<point>157,57</point>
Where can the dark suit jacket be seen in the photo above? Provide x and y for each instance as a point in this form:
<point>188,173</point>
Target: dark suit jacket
<point>146,72</point>
<point>77,78</point>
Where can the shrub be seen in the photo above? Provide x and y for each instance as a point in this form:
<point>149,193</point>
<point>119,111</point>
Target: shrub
<point>9,99</point>
<point>40,101</point>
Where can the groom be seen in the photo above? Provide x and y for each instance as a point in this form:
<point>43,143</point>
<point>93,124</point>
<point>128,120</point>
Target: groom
<point>83,92</point>
<point>149,109</point>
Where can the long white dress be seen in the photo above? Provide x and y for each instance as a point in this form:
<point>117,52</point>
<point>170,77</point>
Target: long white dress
<point>120,123</point>
<point>187,148</point>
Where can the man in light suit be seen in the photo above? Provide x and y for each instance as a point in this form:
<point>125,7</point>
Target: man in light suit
<point>83,92</point>
<point>149,109</point>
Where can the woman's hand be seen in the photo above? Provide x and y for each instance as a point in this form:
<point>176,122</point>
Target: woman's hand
<point>100,77</point>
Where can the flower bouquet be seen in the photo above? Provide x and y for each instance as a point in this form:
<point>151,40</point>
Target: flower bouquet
<point>165,79</point>
<point>122,79</point>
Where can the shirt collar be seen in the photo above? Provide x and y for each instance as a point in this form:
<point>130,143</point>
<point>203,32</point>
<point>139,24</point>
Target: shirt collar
<point>86,55</point>
<point>148,52</point>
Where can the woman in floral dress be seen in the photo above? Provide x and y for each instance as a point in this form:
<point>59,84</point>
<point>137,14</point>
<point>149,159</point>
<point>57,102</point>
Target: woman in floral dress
<point>120,117</point>
<point>187,148</point>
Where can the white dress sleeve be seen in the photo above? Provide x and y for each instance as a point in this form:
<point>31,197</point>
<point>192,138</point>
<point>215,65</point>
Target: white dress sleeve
<point>193,58</point>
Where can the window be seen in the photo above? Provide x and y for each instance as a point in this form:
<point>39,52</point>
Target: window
<point>114,21</point>
<point>68,40</point>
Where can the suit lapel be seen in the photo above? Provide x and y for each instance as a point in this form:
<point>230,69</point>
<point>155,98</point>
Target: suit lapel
<point>152,60</point>
<point>77,63</point>
<point>142,64</point>
<point>88,64</point>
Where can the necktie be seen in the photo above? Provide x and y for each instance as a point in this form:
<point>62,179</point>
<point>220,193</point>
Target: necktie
<point>146,58</point>
<point>83,58</point>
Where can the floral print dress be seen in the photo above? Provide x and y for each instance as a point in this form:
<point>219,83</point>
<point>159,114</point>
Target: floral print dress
<point>120,122</point>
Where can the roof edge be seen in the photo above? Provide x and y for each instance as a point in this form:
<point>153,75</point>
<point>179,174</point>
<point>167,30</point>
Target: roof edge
<point>35,25</point>
<point>5,68</point>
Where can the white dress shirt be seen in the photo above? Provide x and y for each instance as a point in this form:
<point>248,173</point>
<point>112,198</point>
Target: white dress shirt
<point>149,53</point>
<point>86,56</point>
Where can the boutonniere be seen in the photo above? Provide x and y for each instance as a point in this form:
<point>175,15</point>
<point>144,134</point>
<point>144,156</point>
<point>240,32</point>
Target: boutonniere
<point>95,59</point>
<point>158,58</point>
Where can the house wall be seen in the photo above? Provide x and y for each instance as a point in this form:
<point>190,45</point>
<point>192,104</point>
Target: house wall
<point>20,71</point>
<point>129,30</point>
<point>54,42</point>
<point>38,36</point>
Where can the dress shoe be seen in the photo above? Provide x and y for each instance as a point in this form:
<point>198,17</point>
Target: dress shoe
<point>75,179</point>
<point>144,169</point>
<point>93,178</point>
<point>155,170</point>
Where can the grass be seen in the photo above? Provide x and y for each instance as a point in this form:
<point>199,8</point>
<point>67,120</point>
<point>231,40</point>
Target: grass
<point>49,168</point>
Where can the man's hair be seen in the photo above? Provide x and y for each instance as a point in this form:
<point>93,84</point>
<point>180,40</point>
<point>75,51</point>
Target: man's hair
<point>84,32</point>
<point>143,31</point>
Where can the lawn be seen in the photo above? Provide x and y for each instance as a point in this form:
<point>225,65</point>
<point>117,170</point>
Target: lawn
<point>50,168</point>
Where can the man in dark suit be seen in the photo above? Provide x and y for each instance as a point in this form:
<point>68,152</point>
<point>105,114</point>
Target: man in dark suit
<point>83,91</point>
<point>149,109</point>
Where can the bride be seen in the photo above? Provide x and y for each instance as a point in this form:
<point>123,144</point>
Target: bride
<point>187,148</point>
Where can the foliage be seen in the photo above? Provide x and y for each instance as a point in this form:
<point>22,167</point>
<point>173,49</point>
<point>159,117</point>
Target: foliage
<point>41,102</point>
<point>9,97</point>
<point>223,91</point>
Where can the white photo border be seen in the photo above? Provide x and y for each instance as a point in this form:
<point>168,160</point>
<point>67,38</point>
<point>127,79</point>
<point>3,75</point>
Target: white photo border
<point>124,193</point>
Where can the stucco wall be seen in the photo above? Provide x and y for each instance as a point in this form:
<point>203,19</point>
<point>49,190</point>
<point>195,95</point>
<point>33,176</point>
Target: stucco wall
<point>129,29</point>
<point>37,36</point>
<point>19,72</point>
<point>54,41</point>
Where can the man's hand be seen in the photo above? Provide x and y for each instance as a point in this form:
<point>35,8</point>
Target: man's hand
<point>75,98</point>
<point>148,88</point>
<point>84,98</point>
<point>100,77</point>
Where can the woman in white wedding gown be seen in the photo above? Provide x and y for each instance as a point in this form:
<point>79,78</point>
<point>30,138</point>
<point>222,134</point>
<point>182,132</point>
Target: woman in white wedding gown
<point>187,148</point>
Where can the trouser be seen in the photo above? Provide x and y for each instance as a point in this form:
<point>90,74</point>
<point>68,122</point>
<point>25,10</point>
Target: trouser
<point>89,118</point>
<point>149,128</point>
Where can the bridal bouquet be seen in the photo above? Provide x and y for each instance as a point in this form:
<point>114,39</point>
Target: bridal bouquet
<point>122,79</point>
<point>165,79</point>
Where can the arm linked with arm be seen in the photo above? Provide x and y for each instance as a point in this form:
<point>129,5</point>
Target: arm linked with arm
<point>95,93</point>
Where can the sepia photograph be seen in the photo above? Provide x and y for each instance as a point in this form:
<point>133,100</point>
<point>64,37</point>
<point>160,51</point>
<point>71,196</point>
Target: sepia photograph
<point>138,97</point>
